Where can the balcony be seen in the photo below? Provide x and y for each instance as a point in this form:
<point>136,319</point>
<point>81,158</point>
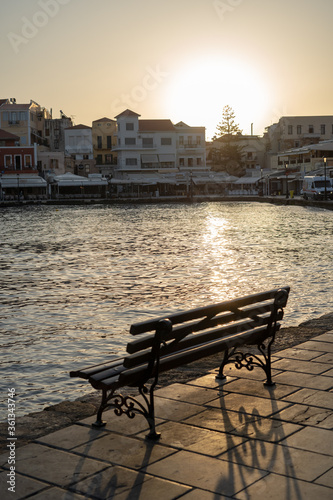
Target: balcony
<point>13,122</point>
<point>189,145</point>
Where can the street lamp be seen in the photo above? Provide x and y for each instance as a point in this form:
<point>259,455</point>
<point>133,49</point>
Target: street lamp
<point>325,163</point>
<point>18,187</point>
<point>287,193</point>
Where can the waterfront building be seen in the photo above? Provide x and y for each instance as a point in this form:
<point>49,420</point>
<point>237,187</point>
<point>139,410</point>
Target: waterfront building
<point>24,120</point>
<point>51,159</point>
<point>157,145</point>
<point>79,150</point>
<point>309,158</point>
<point>191,146</point>
<point>13,156</point>
<point>252,150</point>
<point>55,132</point>
<point>295,132</point>
<point>104,139</point>
<point>19,179</point>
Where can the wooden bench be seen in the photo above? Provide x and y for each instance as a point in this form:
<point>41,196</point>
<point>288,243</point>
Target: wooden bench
<point>184,337</point>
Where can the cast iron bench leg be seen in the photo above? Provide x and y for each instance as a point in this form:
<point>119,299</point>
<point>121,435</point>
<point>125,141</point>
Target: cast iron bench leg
<point>99,422</point>
<point>220,375</point>
<point>150,417</point>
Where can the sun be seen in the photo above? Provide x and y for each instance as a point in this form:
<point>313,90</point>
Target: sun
<point>197,93</point>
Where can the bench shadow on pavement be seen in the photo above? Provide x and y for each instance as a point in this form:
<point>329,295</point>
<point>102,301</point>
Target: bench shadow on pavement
<point>254,452</point>
<point>111,480</point>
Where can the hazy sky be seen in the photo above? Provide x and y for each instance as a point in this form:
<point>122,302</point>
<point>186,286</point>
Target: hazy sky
<point>177,59</point>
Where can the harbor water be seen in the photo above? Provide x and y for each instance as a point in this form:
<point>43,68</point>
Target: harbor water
<point>74,278</point>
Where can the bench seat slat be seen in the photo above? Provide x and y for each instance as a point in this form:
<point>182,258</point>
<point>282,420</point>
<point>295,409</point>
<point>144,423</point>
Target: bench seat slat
<point>111,372</point>
<point>85,373</point>
<point>194,339</point>
<point>211,310</point>
<point>146,342</point>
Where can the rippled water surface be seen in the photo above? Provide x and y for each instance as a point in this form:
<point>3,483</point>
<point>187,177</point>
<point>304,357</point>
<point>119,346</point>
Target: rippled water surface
<point>75,278</point>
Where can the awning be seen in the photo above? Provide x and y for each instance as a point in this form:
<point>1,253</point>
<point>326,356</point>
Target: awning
<point>149,158</point>
<point>18,181</point>
<point>166,158</point>
<point>69,179</point>
<point>247,180</point>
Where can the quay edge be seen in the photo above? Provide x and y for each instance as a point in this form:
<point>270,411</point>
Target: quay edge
<point>276,200</point>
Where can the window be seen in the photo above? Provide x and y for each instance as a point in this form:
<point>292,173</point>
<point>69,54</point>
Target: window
<point>13,117</point>
<point>131,161</point>
<point>290,130</point>
<point>181,162</point>
<point>189,139</point>
<point>99,159</point>
<point>166,141</point>
<point>56,144</point>
<point>18,162</point>
<point>322,129</point>
<point>129,126</point>
<point>147,142</point>
<point>310,129</point>
<point>54,163</point>
<point>23,115</point>
<point>181,140</point>
<point>99,142</point>
<point>109,141</point>
<point>130,141</point>
<point>23,140</point>
<point>198,140</point>
<point>299,129</point>
<point>5,116</point>
<point>8,160</point>
<point>27,160</point>
<point>198,162</point>
<point>190,162</point>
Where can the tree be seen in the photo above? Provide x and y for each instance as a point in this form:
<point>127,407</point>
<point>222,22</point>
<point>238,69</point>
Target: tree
<point>226,156</point>
<point>227,153</point>
<point>227,126</point>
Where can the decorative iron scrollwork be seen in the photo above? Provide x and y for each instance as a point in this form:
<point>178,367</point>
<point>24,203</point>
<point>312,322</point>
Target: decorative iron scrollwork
<point>246,360</point>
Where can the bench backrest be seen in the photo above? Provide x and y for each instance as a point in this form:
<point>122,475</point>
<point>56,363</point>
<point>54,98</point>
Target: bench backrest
<point>254,315</point>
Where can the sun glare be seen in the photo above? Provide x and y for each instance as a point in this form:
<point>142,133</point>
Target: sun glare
<point>199,91</point>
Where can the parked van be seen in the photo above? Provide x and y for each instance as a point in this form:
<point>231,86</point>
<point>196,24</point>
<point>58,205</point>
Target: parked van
<point>314,187</point>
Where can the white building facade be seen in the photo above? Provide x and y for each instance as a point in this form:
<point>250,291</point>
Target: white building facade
<point>79,150</point>
<point>158,145</point>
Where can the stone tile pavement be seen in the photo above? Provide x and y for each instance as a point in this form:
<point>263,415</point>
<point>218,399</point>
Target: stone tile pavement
<point>236,440</point>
